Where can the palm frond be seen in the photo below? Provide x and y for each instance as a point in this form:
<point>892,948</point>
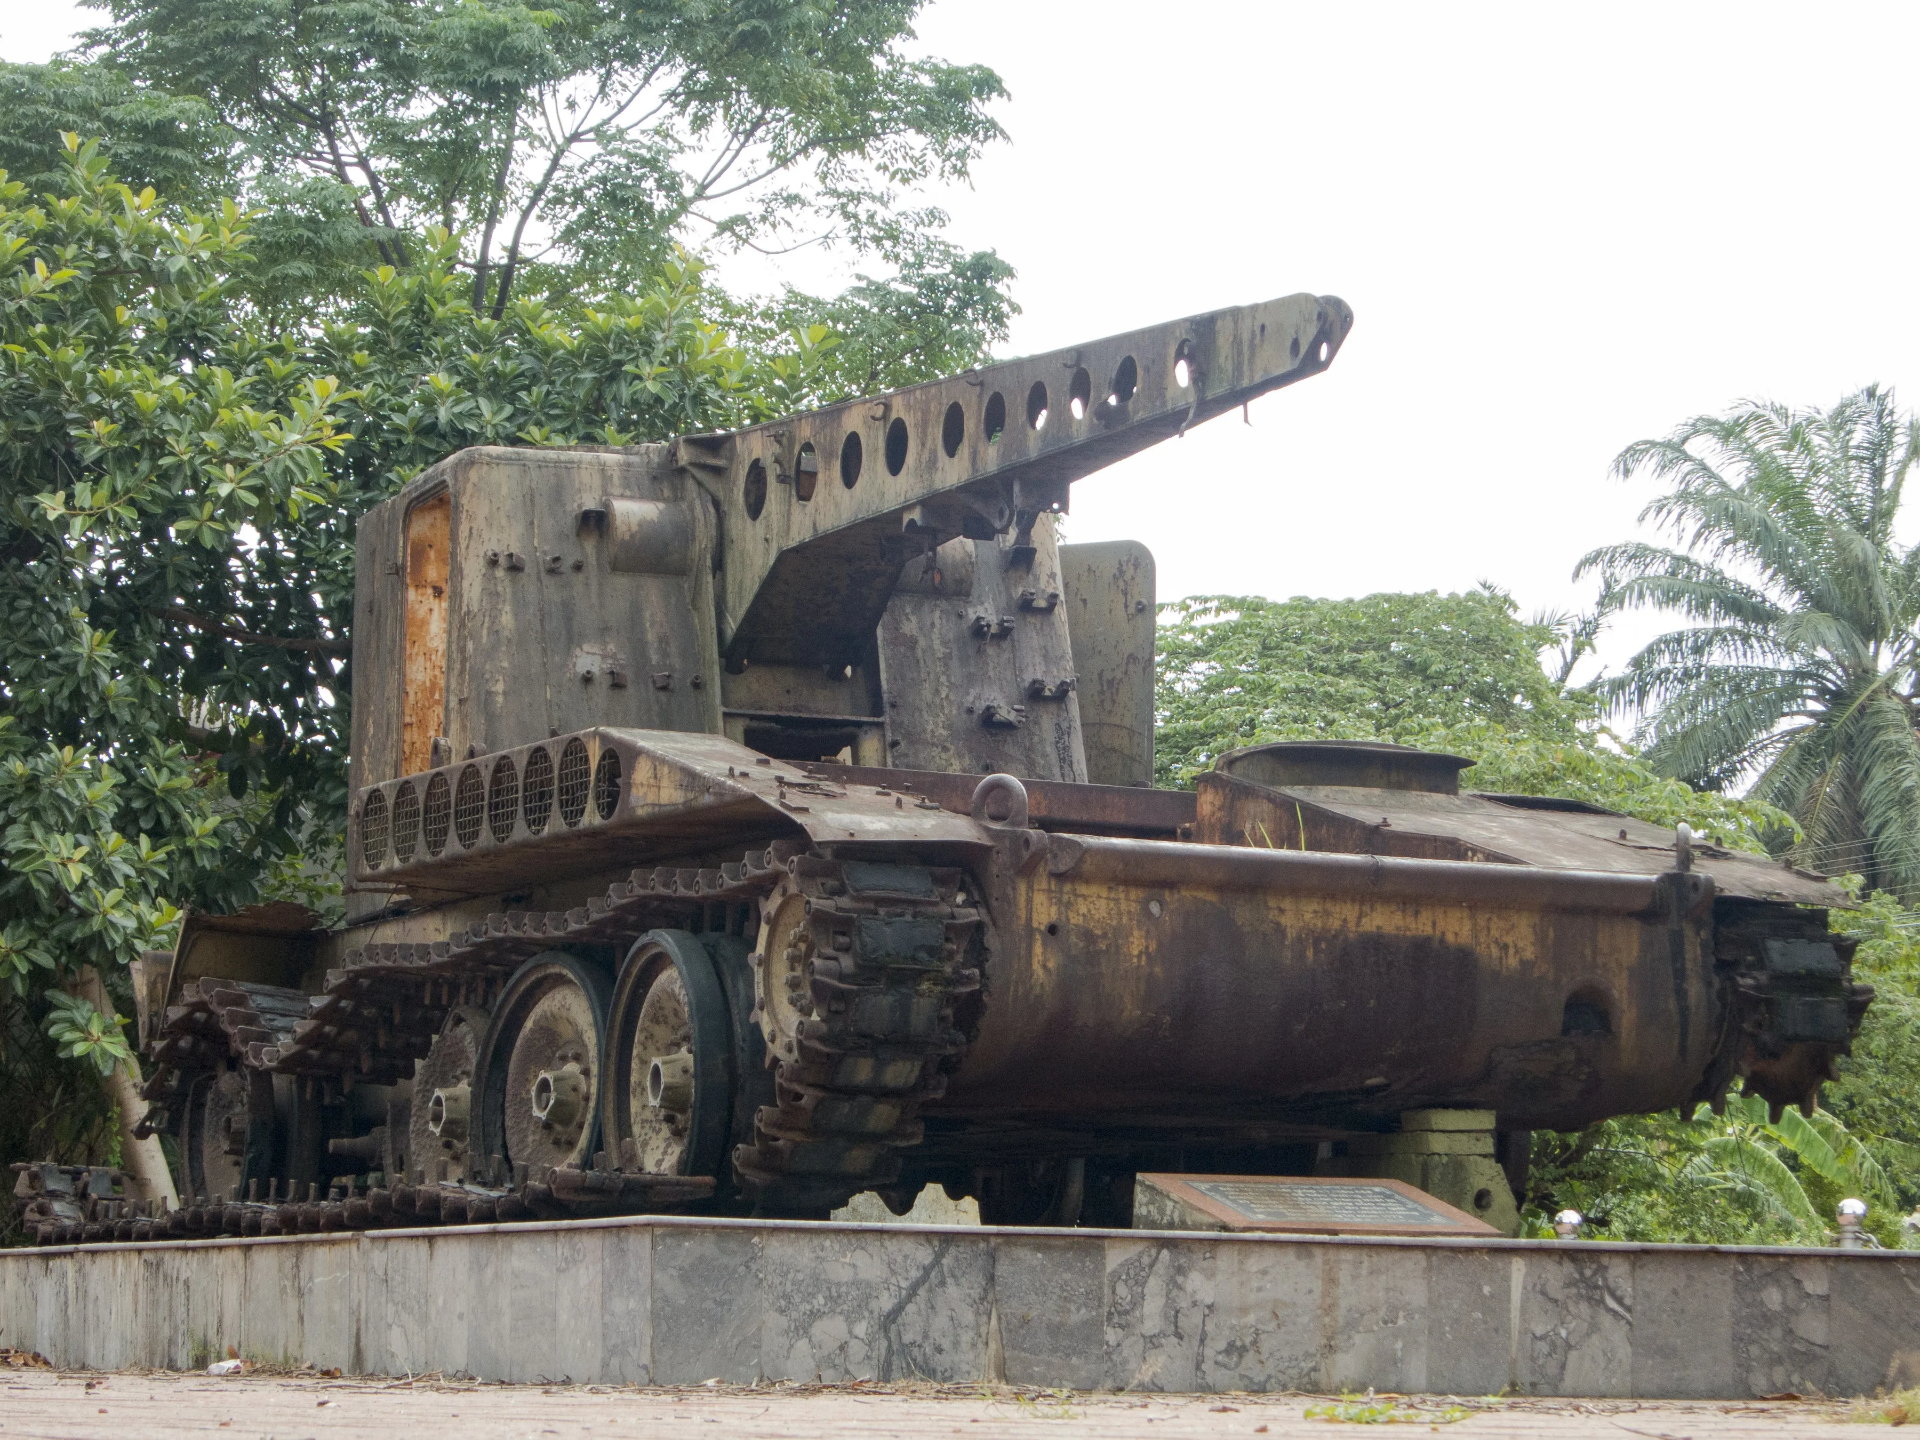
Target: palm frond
<point>1800,665</point>
<point>1746,1169</point>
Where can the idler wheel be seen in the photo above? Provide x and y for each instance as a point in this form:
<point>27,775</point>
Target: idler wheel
<point>539,1066</point>
<point>668,1104</point>
<point>439,1120</point>
<point>227,1137</point>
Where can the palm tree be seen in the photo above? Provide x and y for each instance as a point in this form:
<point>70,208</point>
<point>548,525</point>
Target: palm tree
<point>1798,669</point>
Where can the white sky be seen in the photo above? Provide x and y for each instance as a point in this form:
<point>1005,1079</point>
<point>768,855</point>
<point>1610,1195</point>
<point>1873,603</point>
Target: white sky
<point>1561,228</point>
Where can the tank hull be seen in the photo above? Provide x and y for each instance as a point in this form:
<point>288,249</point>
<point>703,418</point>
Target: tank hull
<point>1148,984</point>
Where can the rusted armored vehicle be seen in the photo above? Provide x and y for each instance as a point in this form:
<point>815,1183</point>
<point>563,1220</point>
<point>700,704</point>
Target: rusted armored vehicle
<point>761,818</point>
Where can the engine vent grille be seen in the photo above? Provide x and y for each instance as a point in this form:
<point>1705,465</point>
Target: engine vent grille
<point>406,821</point>
<point>373,830</point>
<point>606,783</point>
<point>436,814</point>
<point>576,777</point>
<point>538,790</point>
<point>503,799</point>
<point>469,806</point>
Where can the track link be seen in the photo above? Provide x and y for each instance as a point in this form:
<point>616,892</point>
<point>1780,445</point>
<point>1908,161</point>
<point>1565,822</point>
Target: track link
<point>858,979</point>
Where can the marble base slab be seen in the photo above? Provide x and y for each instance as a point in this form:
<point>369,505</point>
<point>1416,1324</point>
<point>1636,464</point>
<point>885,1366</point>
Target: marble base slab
<point>677,1300</point>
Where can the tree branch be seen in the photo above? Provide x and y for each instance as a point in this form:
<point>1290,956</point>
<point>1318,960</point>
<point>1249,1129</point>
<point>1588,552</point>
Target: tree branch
<point>248,637</point>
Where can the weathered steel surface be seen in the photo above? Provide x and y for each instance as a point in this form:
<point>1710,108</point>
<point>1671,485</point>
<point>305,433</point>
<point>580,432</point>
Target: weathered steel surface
<point>1386,800</point>
<point>674,1301</point>
<point>638,795</point>
<point>811,557</point>
<point>1166,985</point>
<point>1107,590</point>
<point>991,673</point>
<point>1078,809</point>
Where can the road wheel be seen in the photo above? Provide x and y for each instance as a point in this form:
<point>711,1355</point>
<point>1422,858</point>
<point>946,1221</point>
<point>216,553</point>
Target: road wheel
<point>540,1066</point>
<point>668,1104</point>
<point>440,1114</point>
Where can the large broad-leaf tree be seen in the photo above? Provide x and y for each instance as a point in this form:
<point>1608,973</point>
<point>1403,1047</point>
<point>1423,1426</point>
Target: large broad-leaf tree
<point>1794,672</point>
<point>569,146</point>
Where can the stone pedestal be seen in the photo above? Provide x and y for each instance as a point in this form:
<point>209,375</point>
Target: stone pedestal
<point>1447,1153</point>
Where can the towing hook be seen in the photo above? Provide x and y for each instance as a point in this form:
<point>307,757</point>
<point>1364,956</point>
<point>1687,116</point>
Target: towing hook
<point>1003,794</point>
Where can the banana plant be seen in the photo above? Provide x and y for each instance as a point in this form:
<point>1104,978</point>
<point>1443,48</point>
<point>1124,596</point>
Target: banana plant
<point>1744,1154</point>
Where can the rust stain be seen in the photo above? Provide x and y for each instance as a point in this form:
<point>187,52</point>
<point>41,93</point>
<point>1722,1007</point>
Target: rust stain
<point>424,708</point>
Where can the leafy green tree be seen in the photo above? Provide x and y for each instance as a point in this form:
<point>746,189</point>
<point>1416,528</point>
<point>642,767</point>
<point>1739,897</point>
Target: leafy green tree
<point>1235,670</point>
<point>570,145</point>
<point>1734,1178</point>
<point>1796,672</point>
<point>171,143</point>
<point>1458,673</point>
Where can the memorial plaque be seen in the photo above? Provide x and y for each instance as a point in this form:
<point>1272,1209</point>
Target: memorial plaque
<point>1295,1204</point>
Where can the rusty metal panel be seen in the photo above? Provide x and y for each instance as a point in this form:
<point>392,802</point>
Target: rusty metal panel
<point>1533,832</point>
<point>1107,590</point>
<point>984,681</point>
<point>423,709</point>
<point>1156,985</point>
<point>820,511</point>
<point>607,799</point>
<point>1053,806</point>
<point>581,595</point>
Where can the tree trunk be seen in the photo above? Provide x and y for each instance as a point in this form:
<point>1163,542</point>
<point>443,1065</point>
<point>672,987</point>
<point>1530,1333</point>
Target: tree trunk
<point>143,1161</point>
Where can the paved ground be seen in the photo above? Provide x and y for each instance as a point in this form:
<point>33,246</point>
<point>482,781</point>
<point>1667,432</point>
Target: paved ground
<point>43,1405</point>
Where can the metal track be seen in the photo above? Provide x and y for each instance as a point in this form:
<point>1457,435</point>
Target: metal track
<point>872,960</point>
<point>889,952</point>
<point>71,1205</point>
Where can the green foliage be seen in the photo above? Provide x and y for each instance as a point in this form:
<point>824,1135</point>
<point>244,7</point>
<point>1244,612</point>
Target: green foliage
<point>568,146</point>
<point>1878,1092</point>
<point>939,316</point>
<point>83,1033</point>
<point>171,143</point>
<point>133,458</point>
<point>56,1110</point>
<point>1731,1179</point>
<point>1455,673</point>
<point>1238,670</point>
<point>1367,1410</point>
<point>1796,671</point>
